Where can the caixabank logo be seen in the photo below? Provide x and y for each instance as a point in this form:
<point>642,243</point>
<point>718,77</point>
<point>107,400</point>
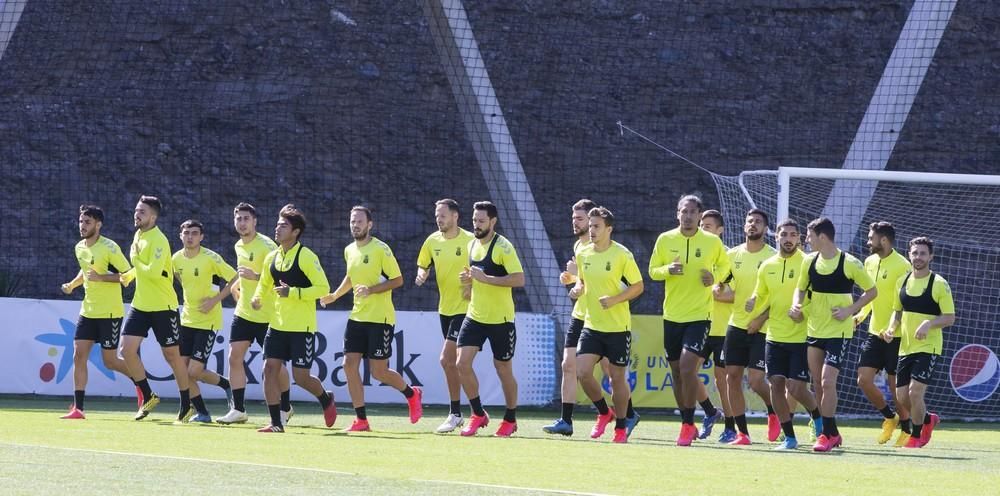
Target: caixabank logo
<point>61,354</point>
<point>974,373</point>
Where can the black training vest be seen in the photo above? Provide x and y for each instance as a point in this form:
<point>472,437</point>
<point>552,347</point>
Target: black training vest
<point>293,277</point>
<point>833,283</point>
<point>489,267</point>
<point>923,303</point>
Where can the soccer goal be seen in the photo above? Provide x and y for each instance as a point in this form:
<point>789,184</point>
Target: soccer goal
<point>960,212</point>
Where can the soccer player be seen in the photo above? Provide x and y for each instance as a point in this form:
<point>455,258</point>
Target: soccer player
<point>886,266</point>
<point>495,270</point>
<point>924,306</point>
<point>602,266</point>
<point>744,341</point>
<point>153,306</point>
<point>250,325</point>
<point>447,251</point>
<point>722,309</point>
<point>294,274</point>
<point>688,260</point>
<point>785,351</point>
<point>829,276</point>
<point>198,270</point>
<point>101,263</point>
<point>372,272</point>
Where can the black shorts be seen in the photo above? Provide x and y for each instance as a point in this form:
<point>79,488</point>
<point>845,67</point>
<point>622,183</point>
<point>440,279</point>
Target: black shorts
<point>247,330</point>
<point>164,324</point>
<point>788,360</point>
<point>834,349</point>
<point>502,337</point>
<point>103,331</point>
<point>299,347</point>
<point>879,355</point>
<point>916,366</point>
<point>450,325</point>
<point>715,347</point>
<point>573,333</point>
<point>679,336</point>
<point>371,339</point>
<point>615,346</point>
<point>744,349</point>
<point>197,343</point>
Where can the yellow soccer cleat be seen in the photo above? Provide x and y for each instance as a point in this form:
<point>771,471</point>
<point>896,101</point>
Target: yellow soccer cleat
<point>902,439</point>
<point>147,406</point>
<point>888,426</point>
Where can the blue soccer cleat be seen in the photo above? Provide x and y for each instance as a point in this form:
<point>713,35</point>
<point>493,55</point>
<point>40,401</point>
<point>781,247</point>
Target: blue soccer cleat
<point>787,445</point>
<point>727,436</point>
<point>817,428</point>
<point>201,418</point>
<point>630,423</point>
<point>708,423</point>
<point>559,427</point>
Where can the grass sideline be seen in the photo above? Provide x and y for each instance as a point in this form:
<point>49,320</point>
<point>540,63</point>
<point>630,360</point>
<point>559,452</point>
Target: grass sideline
<point>111,453</point>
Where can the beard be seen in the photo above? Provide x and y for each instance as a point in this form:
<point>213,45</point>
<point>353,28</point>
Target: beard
<point>788,251</point>
<point>755,236</point>
<point>479,233</point>
<point>359,235</point>
<point>580,232</point>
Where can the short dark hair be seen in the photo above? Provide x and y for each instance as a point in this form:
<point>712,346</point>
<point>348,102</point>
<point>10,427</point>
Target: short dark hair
<point>690,198</point>
<point>884,229</point>
<point>295,217</point>
<point>92,211</point>
<point>609,218</point>
<point>448,202</point>
<point>488,207</point>
<point>585,205</point>
<point>245,207</point>
<point>788,223</point>
<point>713,214</point>
<point>824,226</point>
<point>366,210</point>
<point>193,223</point>
<point>923,240</point>
<point>153,203</point>
<point>757,211</point>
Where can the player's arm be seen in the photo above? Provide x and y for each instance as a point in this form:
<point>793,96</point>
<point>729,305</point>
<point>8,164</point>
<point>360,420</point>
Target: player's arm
<point>424,264</point>
<point>761,293</point>
<point>659,267</point>
<point>266,281</point>
<point>861,278</point>
<point>393,276</point>
<point>515,273</point>
<point>320,286</point>
<point>344,288</point>
<point>117,261</point>
<point>941,293</point>
<point>157,260</point>
<point>68,287</point>
<point>721,265</point>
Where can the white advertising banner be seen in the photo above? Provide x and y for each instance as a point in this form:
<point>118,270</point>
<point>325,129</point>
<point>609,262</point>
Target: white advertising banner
<point>37,358</point>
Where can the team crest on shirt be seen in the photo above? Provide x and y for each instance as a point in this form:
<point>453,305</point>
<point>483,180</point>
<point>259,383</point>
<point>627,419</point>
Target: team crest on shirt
<point>365,259</point>
<point>607,266</point>
<point>251,256</point>
<point>697,252</point>
<point>737,263</point>
<point>196,271</point>
<point>586,265</point>
<point>458,251</point>
<point>885,274</point>
<point>437,252</point>
<point>791,273</point>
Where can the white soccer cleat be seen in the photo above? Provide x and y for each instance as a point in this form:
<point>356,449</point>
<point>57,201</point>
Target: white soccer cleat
<point>233,417</point>
<point>286,416</point>
<point>451,423</point>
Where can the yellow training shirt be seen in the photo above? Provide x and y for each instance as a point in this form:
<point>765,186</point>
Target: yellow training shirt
<point>686,298</point>
<point>448,257</point>
<point>197,275</point>
<point>744,266</point>
<point>886,272</point>
<point>602,273</point>
<point>367,265</point>
<point>101,300</point>
<point>821,323</point>
<point>154,272</point>
<point>297,311</point>
<point>777,282</point>
<point>493,304</point>
<point>941,294</point>
<point>251,255</point>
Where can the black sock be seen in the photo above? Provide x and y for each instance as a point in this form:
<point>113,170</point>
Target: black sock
<point>239,399</point>
<point>619,423</point>
<point>906,425</point>
<point>224,383</point>
<point>185,399</point>
<point>567,413</point>
<point>815,414</point>
<point>789,429</point>
<point>78,399</point>
<point>770,409</point>
<point>630,413</point>
<point>708,407</point>
<point>408,392</point>
<point>360,412</point>
<point>887,412</point>
<point>741,424</point>
<point>146,391</point>
<point>730,423</point>
<point>830,427</point>
<point>199,405</point>
<point>275,411</point>
<point>687,415</point>
<point>477,406</point>
<point>917,428</point>
<point>325,399</point>
<point>286,400</point>
<point>510,415</point>
<point>927,418</point>
<point>602,406</point>
<point>456,408</point>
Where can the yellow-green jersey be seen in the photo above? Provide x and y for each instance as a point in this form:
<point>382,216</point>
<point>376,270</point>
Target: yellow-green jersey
<point>448,257</point>
<point>154,272</point>
<point>603,273</point>
<point>920,305</point>
<point>298,268</point>
<point>369,265</point>
<point>686,299</point>
<point>777,282</point>
<point>830,284</point>
<point>101,300</point>
<point>886,272</point>
<point>579,309</point>
<point>493,304</point>
<point>744,265</point>
<point>251,255</point>
<point>721,312</point>
<point>198,277</point>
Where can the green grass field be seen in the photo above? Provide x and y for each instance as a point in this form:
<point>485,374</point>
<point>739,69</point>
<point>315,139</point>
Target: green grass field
<point>111,453</point>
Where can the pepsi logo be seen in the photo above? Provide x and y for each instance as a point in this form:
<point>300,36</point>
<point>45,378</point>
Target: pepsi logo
<point>974,373</point>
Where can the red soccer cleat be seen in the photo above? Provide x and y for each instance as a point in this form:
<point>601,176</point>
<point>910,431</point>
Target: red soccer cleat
<point>506,429</point>
<point>687,434</point>
<point>602,423</point>
<point>773,427</point>
<point>475,423</point>
<point>914,442</point>
<point>330,412</point>
<point>74,414</point>
<point>271,428</point>
<point>621,436</point>
<point>414,403</point>
<point>925,433</point>
<point>741,440</point>
<point>359,425</point>
<point>825,444</point>
<point>138,396</point>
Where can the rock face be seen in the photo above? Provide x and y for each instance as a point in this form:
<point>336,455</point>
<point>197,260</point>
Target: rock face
<point>328,104</point>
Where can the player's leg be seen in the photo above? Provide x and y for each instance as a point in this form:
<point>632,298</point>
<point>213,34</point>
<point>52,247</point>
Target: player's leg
<point>450,326</point>
<point>591,351</point>
<point>503,342</point>
<point>380,345</point>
